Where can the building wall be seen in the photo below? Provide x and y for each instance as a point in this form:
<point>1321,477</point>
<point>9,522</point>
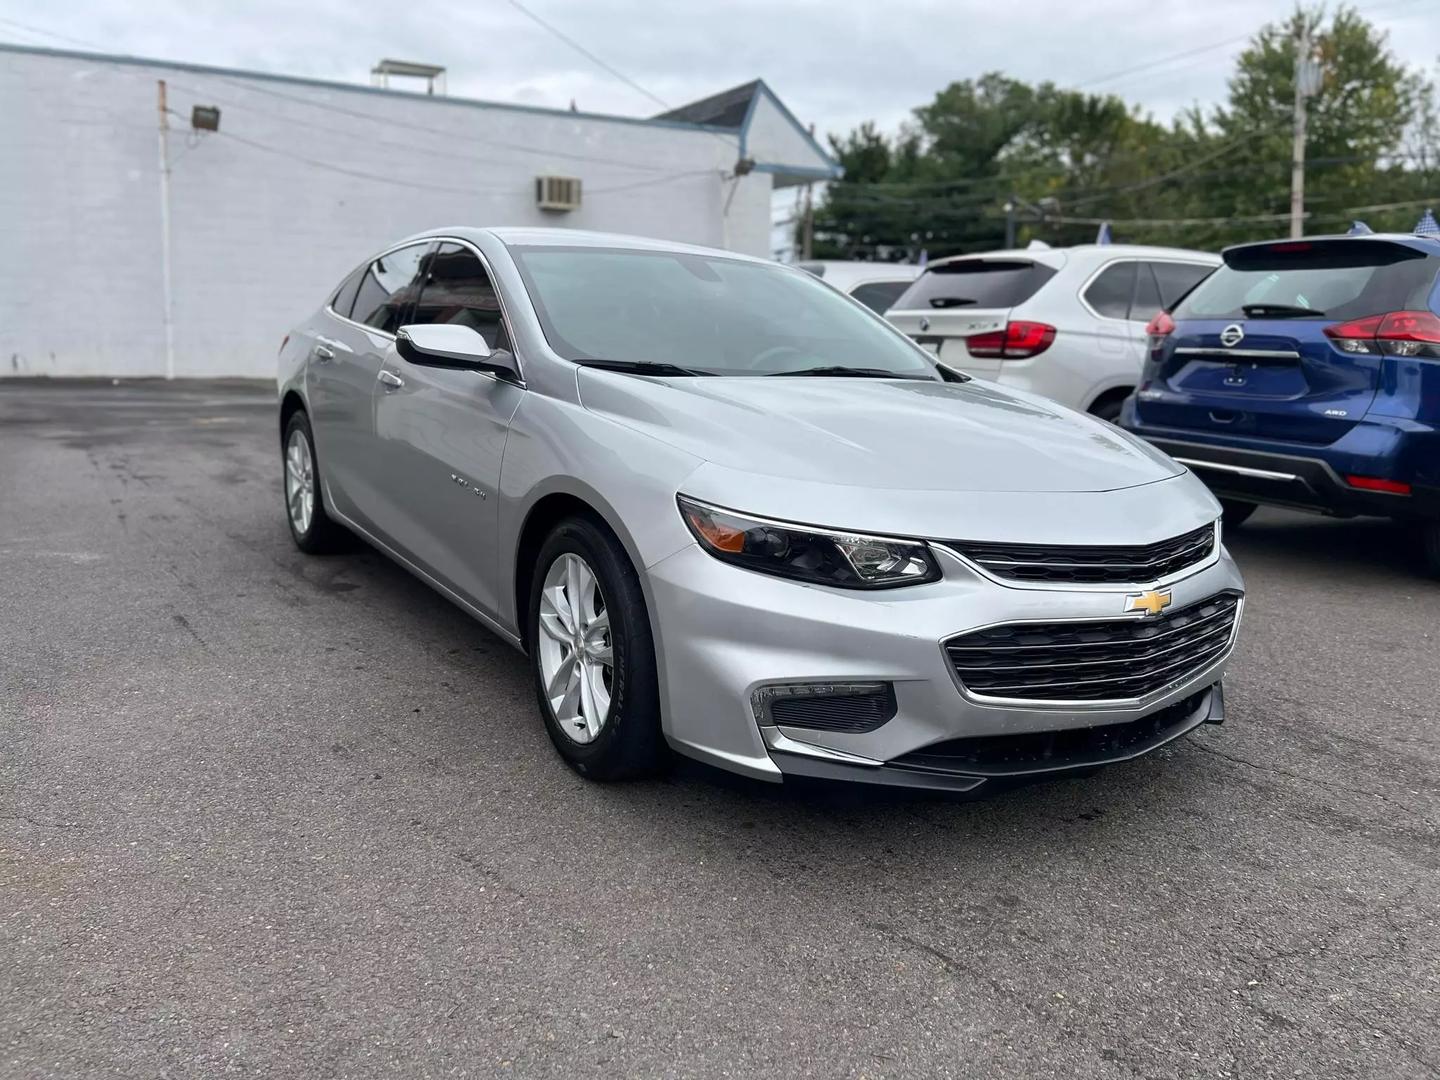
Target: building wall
<point>300,184</point>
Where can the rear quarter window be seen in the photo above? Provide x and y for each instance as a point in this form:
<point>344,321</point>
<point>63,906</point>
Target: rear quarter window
<point>879,296</point>
<point>980,283</point>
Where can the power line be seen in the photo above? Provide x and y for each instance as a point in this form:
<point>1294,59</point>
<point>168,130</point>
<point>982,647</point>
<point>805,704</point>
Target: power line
<point>583,51</point>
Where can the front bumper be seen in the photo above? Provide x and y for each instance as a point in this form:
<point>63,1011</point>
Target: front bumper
<point>725,632</point>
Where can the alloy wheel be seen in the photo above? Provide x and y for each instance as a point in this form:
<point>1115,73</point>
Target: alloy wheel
<point>577,655</point>
<point>299,481</point>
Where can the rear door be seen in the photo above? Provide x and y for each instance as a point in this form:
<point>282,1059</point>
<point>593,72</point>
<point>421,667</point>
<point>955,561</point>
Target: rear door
<point>341,374</point>
<point>1249,355</point>
<point>958,299</point>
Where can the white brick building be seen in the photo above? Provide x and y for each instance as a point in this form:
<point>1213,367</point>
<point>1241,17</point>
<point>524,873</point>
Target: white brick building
<point>301,181</point>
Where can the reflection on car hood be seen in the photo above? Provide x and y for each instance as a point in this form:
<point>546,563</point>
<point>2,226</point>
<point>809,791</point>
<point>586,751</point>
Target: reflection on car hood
<point>879,433</point>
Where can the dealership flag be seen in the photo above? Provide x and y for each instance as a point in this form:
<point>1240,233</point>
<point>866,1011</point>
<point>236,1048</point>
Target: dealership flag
<point>1427,225</point>
<point>1359,228</point>
<point>1103,237</point>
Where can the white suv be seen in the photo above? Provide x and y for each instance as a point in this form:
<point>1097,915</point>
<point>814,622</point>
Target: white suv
<point>1068,323</point>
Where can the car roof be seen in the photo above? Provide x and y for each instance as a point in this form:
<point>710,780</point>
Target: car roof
<point>1059,256</point>
<point>846,273</point>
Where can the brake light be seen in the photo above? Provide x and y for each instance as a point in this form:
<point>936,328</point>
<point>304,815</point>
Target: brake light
<point>1398,333</point>
<point>1375,483</point>
<point>1020,340</point>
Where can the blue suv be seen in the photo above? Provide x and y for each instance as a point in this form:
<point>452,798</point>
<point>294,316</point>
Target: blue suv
<point>1306,373</point>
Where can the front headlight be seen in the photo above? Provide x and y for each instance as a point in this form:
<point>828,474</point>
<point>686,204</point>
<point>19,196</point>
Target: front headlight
<point>822,556</point>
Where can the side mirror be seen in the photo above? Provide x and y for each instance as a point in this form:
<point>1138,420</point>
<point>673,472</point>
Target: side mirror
<point>450,345</point>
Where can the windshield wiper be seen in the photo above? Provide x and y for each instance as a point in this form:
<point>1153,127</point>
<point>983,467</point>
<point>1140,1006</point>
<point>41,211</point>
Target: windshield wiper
<point>641,367</point>
<point>840,369</point>
<point>1278,311</point>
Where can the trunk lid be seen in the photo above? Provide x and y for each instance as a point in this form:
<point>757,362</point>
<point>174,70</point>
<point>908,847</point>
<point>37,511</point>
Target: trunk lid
<point>959,298</point>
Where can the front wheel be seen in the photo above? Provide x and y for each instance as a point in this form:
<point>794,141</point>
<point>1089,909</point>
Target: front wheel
<point>593,656</point>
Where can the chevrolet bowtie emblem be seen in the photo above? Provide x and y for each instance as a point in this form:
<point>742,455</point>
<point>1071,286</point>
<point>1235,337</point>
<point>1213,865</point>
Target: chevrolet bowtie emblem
<point>1151,603</point>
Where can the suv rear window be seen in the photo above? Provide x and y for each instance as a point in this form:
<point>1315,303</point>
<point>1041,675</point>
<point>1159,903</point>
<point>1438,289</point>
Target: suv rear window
<point>981,283</point>
<point>1335,280</point>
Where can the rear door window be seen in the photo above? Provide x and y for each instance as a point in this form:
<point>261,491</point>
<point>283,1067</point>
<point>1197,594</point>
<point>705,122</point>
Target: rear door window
<point>344,298</point>
<point>458,290</point>
<point>388,288</point>
<point>979,283</point>
<point>879,295</point>
<point>1176,279</point>
<point>1111,292</point>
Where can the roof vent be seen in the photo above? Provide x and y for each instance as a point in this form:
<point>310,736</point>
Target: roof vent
<point>559,193</point>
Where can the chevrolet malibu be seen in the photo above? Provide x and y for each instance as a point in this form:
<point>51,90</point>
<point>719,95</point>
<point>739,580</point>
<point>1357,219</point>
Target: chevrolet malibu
<point>725,510</point>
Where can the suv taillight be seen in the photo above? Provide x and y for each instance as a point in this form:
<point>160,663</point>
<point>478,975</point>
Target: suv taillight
<point>1020,340</point>
<point>1162,325</point>
<point>1158,329</point>
<point>1400,333</point>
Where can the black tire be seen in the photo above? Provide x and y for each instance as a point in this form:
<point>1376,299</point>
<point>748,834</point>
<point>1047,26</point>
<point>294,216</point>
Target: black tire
<point>1235,513</point>
<point>630,743</point>
<point>1108,409</point>
<point>322,535</point>
<point>1430,545</point>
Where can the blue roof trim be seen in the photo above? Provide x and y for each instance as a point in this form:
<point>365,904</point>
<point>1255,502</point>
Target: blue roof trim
<point>835,171</point>
<point>327,84</point>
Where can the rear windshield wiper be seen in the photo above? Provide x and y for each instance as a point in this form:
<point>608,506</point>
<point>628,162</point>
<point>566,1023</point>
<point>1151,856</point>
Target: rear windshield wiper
<point>840,369</point>
<point>1278,311</point>
<point>641,367</point>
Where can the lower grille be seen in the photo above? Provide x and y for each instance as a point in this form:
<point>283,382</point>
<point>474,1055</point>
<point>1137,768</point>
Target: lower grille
<point>1046,751</point>
<point>1116,659</point>
<point>1123,564</point>
<point>852,708</point>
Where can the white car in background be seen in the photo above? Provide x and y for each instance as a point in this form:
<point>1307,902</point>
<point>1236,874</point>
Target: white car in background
<point>1066,323</point>
<point>877,285</point>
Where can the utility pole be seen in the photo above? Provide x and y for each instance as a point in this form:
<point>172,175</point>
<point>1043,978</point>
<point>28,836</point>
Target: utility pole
<point>1010,222</point>
<point>165,232</point>
<point>807,227</point>
<point>1307,83</point>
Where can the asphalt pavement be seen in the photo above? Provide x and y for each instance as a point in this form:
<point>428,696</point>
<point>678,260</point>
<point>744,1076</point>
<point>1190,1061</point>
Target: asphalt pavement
<point>272,815</point>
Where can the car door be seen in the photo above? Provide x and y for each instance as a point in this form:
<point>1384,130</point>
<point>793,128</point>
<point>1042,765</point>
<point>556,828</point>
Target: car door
<point>441,436</point>
<point>341,376</point>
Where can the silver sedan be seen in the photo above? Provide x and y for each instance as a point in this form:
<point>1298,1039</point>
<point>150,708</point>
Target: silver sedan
<point>729,512</point>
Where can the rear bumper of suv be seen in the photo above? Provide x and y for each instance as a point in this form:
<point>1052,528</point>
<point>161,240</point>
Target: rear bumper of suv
<point>1295,480</point>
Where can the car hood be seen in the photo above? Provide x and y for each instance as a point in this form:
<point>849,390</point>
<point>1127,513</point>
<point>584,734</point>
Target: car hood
<point>890,434</point>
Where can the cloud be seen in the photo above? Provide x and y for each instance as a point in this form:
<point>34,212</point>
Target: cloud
<point>834,62</point>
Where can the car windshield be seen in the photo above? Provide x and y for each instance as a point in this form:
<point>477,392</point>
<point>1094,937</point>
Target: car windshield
<point>707,314</point>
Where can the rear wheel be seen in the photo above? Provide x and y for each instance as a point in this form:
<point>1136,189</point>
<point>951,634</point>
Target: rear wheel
<point>310,526</point>
<point>1108,408</point>
<point>592,655</point>
<point>1235,513</point>
<point>1430,545</point>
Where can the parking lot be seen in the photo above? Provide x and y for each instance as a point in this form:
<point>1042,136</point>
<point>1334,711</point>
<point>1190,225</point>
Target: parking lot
<point>276,815</point>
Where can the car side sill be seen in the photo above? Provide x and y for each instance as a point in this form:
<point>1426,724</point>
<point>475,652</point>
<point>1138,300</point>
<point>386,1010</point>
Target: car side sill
<point>444,590</point>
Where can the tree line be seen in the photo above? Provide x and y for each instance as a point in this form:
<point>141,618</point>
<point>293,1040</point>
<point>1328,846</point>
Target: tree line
<point>1064,160</point>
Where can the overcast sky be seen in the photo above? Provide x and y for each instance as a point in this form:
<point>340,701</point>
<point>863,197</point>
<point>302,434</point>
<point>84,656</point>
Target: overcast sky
<point>834,62</point>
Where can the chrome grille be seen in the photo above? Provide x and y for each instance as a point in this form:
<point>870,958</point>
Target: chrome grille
<point>1113,659</point>
<point>1115,564</point>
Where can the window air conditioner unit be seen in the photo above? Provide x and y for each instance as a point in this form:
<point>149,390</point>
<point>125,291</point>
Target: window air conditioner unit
<point>557,192</point>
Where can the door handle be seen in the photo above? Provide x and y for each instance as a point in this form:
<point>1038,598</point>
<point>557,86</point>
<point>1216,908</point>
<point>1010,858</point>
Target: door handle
<point>390,380</point>
<point>323,353</point>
